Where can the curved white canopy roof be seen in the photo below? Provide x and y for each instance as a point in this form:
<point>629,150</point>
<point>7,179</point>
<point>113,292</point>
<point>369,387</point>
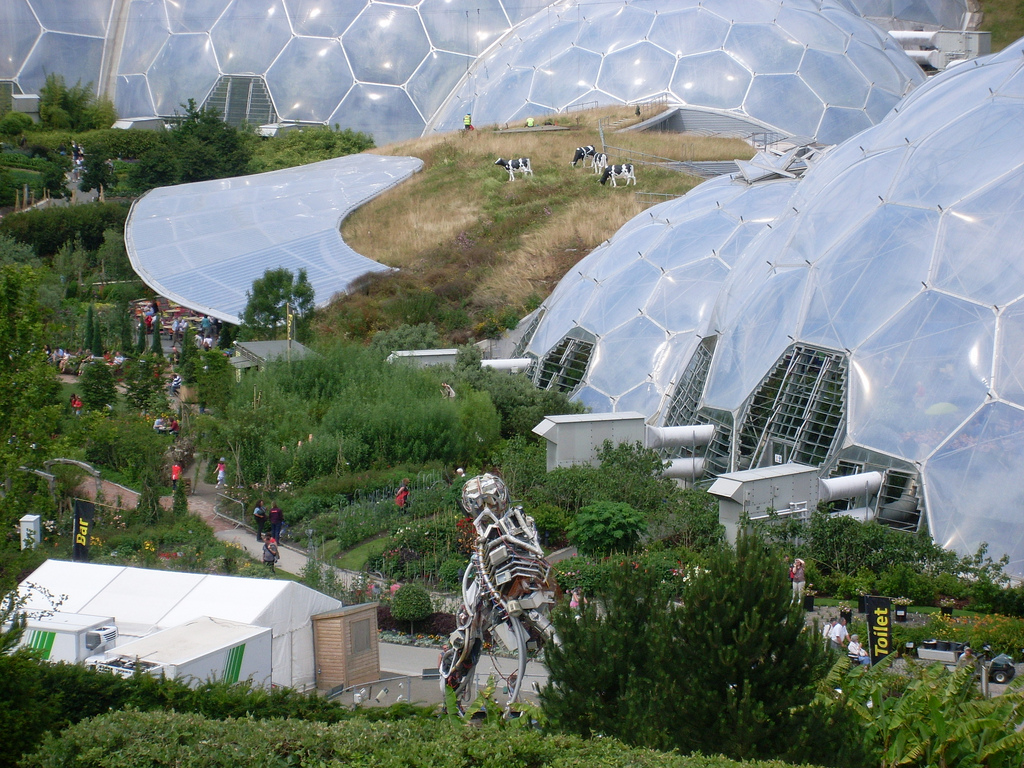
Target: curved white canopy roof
<point>203,244</point>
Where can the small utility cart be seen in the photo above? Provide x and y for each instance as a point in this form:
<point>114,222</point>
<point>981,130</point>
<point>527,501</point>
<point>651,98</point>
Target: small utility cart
<point>1000,669</point>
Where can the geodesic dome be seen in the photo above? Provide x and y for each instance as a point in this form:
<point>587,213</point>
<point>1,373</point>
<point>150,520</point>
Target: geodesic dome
<point>802,68</point>
<point>879,324</point>
<point>38,37</point>
<point>377,67</point>
<point>917,14</point>
<point>622,324</point>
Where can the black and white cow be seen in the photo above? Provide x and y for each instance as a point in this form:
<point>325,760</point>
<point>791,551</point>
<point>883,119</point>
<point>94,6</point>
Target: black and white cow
<point>584,154</point>
<point>600,162</point>
<point>614,172</point>
<point>521,164</point>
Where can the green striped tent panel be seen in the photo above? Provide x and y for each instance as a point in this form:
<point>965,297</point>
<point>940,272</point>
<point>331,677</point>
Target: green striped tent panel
<point>234,664</point>
<point>42,641</point>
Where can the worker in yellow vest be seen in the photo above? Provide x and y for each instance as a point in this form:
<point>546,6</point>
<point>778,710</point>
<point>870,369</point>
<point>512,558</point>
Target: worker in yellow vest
<point>467,122</point>
<point>529,122</point>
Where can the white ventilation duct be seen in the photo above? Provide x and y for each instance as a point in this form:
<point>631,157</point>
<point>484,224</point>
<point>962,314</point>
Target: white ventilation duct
<point>507,364</point>
<point>849,486</point>
<point>684,469</point>
<point>682,436</point>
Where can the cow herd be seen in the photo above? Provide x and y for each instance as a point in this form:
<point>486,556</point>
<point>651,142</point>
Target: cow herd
<point>588,154</point>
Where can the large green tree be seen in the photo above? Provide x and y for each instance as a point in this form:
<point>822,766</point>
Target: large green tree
<point>29,391</point>
<point>264,314</point>
<point>718,662</point>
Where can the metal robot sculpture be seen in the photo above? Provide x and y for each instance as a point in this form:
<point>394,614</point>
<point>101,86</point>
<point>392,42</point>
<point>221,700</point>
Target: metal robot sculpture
<point>507,590</point>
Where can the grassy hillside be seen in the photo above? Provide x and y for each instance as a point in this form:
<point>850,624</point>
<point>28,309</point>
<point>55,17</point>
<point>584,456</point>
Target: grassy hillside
<point>476,252</point>
<point>1005,20</point>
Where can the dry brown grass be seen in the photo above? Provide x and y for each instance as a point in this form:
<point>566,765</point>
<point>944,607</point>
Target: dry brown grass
<point>460,231</point>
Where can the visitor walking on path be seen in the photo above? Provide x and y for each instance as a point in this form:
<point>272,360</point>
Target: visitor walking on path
<point>270,553</point>
<point>402,497</point>
<point>175,475</point>
<point>222,473</point>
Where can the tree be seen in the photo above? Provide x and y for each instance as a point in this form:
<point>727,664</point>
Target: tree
<point>97,338</point>
<point>411,603</point>
<point>213,379</point>
<point>264,313</point>
<point>605,527</point>
<point>157,347</point>
<point>74,108</point>
<point>14,123</point>
<point>97,386</point>
<point>726,668</point>
<point>144,383</point>
<point>89,341</point>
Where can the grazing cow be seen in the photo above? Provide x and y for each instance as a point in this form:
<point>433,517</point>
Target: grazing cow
<point>584,154</point>
<point>614,172</point>
<point>600,162</point>
<point>521,164</point>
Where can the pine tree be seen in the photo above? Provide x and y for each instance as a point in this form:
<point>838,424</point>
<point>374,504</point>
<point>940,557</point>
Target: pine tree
<point>97,338</point>
<point>180,504</point>
<point>189,357</point>
<point>140,347</point>
<point>89,342</point>
<point>157,347</point>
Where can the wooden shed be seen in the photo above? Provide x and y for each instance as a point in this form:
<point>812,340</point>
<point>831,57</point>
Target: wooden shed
<point>345,646</point>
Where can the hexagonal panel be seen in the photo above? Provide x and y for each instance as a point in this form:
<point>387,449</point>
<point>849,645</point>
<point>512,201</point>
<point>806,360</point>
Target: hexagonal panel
<point>712,79</point>
<point>184,69</point>
<point>552,88</point>
<point>133,97</point>
<point>795,107</point>
<point>690,30</point>
<point>386,44</point>
<point>430,85</point>
<point>321,18</point>
<point>147,33</point>
<point>387,113</point>
<point>625,357</point>
<point>75,58</point>
<point>462,27</point>
<point>309,79</point>
<point>19,31</point>
<point>764,49</point>
<point>1009,384</point>
<point>194,15</point>
<point>89,16</point>
<point>249,35</point>
<point>639,69</point>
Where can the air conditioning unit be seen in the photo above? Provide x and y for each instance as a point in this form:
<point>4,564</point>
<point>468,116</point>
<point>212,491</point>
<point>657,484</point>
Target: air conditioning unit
<point>101,638</point>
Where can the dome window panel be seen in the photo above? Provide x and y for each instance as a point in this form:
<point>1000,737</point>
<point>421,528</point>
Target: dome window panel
<point>685,401</point>
<point>434,80</point>
<point>925,372</point>
<point>713,79</point>
<point>793,106</point>
<point>309,79</point>
<point>807,27</point>
<point>1010,354</point>
<point>321,18</point>
<point>566,78</point>
<point>148,31</point>
<point>386,44</point>
<point>564,367</point>
<point>461,27</point>
<point>614,27</point>
<point>19,31</point>
<point>383,112</point>
<point>185,69</point>
<point>194,15</point>
<point>642,69</point>
<point>796,413</point>
<point>835,79</point>
<point>73,57</point>
<point>626,357</point>
<point>89,16</point>
<point>765,49</point>
<point>249,35</point>
<point>690,30</point>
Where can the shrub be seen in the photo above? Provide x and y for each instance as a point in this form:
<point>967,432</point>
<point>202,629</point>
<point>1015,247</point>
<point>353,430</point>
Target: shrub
<point>450,573</point>
<point>605,527</point>
<point>411,603</point>
<point>902,580</point>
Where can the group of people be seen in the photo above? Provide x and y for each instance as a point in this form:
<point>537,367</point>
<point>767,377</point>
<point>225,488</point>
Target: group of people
<point>275,517</point>
<point>839,638</point>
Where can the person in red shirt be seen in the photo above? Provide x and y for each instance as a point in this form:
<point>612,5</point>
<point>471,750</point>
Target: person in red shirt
<point>175,475</point>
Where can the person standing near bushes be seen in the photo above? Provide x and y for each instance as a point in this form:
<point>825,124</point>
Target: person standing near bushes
<point>402,497</point>
<point>259,516</point>
<point>276,522</point>
<point>798,579</point>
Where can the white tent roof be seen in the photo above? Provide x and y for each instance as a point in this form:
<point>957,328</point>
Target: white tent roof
<point>143,601</point>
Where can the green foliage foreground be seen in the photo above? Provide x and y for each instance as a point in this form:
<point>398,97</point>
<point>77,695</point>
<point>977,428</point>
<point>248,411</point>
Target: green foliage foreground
<point>136,739</point>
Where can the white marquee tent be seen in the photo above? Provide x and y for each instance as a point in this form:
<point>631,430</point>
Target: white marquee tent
<point>143,601</point>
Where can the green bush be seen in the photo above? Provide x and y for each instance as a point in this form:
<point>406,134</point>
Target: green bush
<point>411,603</point>
<point>450,573</point>
<point>605,527</point>
<point>903,581</point>
<point>398,738</point>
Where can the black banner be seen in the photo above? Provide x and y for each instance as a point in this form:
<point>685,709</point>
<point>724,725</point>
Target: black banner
<point>84,511</point>
<point>879,617</point>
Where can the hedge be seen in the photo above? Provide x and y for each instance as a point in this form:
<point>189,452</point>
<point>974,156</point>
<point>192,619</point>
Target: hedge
<point>134,739</point>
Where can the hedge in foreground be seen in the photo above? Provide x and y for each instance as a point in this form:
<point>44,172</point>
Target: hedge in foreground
<point>138,739</point>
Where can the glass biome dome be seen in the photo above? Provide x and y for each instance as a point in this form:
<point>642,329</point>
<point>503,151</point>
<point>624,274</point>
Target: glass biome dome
<point>879,324</point>
<point>916,14</point>
<point>621,325</point>
<point>379,67</point>
<point>38,37</point>
<point>798,67</point>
